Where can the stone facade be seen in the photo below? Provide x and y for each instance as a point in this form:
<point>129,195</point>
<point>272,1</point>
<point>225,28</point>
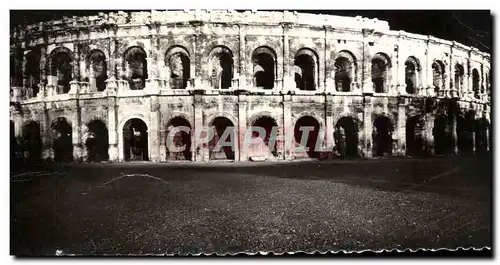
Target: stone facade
<point>116,76</point>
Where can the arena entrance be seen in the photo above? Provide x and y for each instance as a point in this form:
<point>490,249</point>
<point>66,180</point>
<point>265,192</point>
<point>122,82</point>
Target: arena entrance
<point>442,136</point>
<point>135,140</point>
<point>481,126</point>
<point>465,138</point>
<point>32,142</point>
<point>97,141</point>
<point>268,124</point>
<point>178,139</point>
<point>346,137</point>
<point>382,136</point>
<point>226,147</point>
<point>310,144</point>
<point>414,136</point>
<point>63,140</point>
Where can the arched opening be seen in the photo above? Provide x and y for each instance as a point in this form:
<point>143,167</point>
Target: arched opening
<point>178,62</point>
<point>481,126</point>
<point>459,77</point>
<point>380,72</point>
<point>135,140</point>
<point>465,128</point>
<point>136,68</point>
<point>346,137</point>
<point>97,142</point>
<point>221,64</point>
<point>414,136</point>
<point>310,126</point>
<point>32,142</point>
<point>306,60</point>
<point>412,69</point>
<point>438,76</point>
<point>61,69</point>
<point>442,136</point>
<point>475,83</point>
<point>267,123</point>
<point>382,136</point>
<point>63,140</point>
<point>97,67</point>
<point>33,73</point>
<point>178,139</point>
<point>344,72</point>
<point>223,144</point>
<point>264,60</point>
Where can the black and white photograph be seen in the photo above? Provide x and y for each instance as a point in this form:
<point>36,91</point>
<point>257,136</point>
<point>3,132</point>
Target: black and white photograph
<point>191,132</point>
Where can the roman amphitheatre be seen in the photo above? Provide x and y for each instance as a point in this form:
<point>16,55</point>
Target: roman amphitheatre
<point>110,87</point>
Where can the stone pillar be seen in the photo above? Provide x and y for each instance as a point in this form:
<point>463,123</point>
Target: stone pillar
<point>154,130</point>
<point>428,135</point>
<point>330,142</point>
<point>46,135</point>
<point>367,127</point>
<point>453,116</point>
<point>43,72</point>
<point>450,87</point>
<point>429,85</point>
<point>242,62</point>
<point>367,66</point>
<point>113,130</point>
<point>242,129</point>
<point>76,134</point>
<point>288,127</point>
<point>163,143</point>
<point>401,147</point>
<point>199,149</point>
<point>288,81</point>
<point>329,83</point>
<point>74,86</point>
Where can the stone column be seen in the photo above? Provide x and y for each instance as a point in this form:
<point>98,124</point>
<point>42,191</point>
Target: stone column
<point>450,88</point>
<point>288,127</point>
<point>43,72</point>
<point>154,130</point>
<point>76,134</point>
<point>74,86</point>
<point>242,128</point>
<point>329,83</point>
<point>113,130</point>
<point>329,123</point>
<point>400,150</point>
<point>367,70</point>
<point>242,62</point>
<point>429,84</point>
<point>428,135</point>
<point>288,82</point>
<point>163,143</point>
<point>199,149</point>
<point>46,134</point>
<point>367,127</point>
<point>454,136</point>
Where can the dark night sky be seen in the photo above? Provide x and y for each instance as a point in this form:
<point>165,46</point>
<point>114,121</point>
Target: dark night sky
<point>472,28</point>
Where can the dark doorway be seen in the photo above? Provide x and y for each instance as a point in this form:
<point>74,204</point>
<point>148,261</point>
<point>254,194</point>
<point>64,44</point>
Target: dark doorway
<point>481,126</point>
<point>307,121</point>
<point>442,136</point>
<point>267,123</point>
<point>32,142</point>
<point>135,140</point>
<point>465,138</point>
<point>264,70</point>
<point>382,137</point>
<point>97,141</point>
<point>63,140</point>
<point>179,139</point>
<point>346,137</point>
<point>414,136</point>
<point>220,125</point>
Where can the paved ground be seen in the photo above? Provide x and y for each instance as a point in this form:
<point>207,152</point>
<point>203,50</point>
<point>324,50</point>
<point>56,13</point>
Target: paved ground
<point>280,207</point>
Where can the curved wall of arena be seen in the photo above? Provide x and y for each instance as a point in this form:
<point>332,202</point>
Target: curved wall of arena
<point>124,80</point>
